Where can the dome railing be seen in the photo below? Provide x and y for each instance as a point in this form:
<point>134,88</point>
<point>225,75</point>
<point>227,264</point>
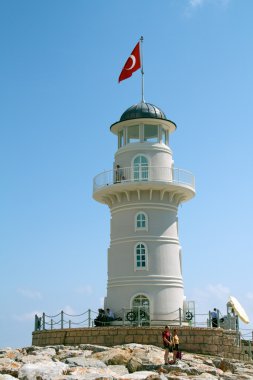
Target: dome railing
<point>143,173</point>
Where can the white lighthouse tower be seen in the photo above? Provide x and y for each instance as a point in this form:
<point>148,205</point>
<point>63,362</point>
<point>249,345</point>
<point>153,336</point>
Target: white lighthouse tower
<point>143,192</point>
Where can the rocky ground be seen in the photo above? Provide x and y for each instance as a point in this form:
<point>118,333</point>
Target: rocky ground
<point>130,361</point>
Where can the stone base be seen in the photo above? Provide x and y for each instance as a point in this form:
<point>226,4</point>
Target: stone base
<point>192,339</point>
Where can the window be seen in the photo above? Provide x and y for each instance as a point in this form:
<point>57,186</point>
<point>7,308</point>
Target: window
<point>140,168</point>
<point>140,256</point>
<point>133,134</point>
<point>141,221</point>
<point>121,138</point>
<point>164,137</point>
<point>151,133</point>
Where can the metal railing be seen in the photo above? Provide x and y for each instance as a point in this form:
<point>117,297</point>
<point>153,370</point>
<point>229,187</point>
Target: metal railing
<point>138,316</point>
<point>62,320</point>
<point>144,174</point>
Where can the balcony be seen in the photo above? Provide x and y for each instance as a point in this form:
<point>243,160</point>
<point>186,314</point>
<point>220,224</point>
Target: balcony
<point>144,175</point>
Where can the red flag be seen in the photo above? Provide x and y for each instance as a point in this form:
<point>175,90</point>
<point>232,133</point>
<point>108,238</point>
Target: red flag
<point>132,64</point>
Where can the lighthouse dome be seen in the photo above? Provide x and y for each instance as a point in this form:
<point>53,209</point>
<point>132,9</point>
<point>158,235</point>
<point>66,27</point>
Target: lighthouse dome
<point>143,110</point>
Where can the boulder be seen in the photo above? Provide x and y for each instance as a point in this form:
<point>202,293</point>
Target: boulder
<point>9,367</point>
<point>80,361</point>
<point>42,370</point>
<point>130,361</point>
<point>114,356</point>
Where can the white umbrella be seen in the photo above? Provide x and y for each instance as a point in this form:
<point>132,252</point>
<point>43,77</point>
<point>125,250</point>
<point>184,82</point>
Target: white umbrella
<point>239,310</point>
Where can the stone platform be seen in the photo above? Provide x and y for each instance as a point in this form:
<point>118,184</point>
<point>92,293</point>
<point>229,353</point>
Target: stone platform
<point>225,343</point>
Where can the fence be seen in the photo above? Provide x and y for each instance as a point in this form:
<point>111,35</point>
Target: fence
<point>138,316</point>
<point>62,320</point>
<point>144,173</point>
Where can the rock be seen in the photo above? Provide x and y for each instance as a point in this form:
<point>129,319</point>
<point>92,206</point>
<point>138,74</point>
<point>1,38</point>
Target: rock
<point>118,369</point>
<point>130,361</point>
<point>63,354</point>
<point>206,376</point>
<point>114,356</point>
<point>9,367</point>
<point>42,370</point>
<point>93,348</point>
<point>226,365</point>
<point>134,364</point>
<point>84,362</point>
<point>141,375</point>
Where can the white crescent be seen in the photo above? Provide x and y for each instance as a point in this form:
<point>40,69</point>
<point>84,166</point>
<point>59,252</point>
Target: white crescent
<point>134,62</point>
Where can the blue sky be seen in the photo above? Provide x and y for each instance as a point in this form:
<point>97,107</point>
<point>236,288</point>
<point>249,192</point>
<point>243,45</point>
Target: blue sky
<point>60,61</point>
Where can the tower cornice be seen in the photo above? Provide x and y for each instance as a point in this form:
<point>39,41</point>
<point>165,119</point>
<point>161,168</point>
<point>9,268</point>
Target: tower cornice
<point>167,124</point>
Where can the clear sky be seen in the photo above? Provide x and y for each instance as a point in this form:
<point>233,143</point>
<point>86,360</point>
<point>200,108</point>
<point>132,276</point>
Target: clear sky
<point>60,61</point>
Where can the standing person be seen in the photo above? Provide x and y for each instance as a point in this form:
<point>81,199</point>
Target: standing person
<point>175,341</point>
<point>119,173</point>
<point>167,344</point>
<point>214,316</point>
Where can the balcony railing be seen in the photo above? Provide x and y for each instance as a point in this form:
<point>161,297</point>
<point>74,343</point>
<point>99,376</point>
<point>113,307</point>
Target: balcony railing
<point>144,174</point>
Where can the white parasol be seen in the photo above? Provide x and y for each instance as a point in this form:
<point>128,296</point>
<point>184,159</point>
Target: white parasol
<point>239,310</point>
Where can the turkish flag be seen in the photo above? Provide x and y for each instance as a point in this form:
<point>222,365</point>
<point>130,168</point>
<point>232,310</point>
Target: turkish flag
<point>132,64</point>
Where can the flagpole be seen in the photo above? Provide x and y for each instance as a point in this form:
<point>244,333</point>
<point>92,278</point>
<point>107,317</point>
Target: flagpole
<point>142,73</point>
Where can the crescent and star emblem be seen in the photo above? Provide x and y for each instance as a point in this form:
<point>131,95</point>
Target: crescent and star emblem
<point>132,57</point>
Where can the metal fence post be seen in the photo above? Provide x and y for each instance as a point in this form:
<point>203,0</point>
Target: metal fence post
<point>237,323</point>
<point>89,317</point>
<point>62,312</point>
<point>124,316</point>
<point>249,351</point>
<point>70,324</point>
<point>229,321</point>
<point>35,322</point>
<point>180,317</point>
<point>43,321</point>
<point>51,323</point>
<point>210,319</point>
<point>218,318</point>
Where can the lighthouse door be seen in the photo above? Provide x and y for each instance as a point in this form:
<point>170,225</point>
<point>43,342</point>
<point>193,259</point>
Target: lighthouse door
<point>140,168</point>
<point>140,305</point>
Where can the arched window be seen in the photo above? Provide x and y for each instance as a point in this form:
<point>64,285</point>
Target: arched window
<point>141,221</point>
<point>141,256</point>
<point>140,168</point>
<point>141,304</point>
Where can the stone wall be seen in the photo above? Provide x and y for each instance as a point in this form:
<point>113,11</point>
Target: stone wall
<point>192,339</point>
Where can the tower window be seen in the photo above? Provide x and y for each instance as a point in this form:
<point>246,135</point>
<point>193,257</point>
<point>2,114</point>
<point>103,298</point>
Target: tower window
<point>141,221</point>
<point>164,137</point>
<point>120,138</point>
<point>151,133</point>
<point>133,134</point>
<point>140,256</point>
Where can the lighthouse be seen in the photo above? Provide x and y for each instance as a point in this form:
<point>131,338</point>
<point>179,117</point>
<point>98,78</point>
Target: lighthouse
<point>143,190</point>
